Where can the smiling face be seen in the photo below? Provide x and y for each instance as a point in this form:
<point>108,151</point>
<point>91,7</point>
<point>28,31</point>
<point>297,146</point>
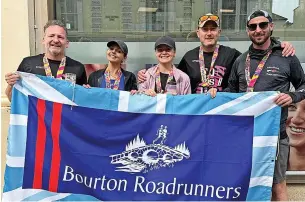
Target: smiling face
<point>165,54</point>
<point>209,34</point>
<point>115,54</point>
<point>295,125</point>
<point>55,41</point>
<point>259,30</point>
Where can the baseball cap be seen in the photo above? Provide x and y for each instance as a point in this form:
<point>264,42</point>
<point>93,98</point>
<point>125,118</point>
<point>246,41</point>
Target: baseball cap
<point>208,17</point>
<point>165,40</point>
<point>120,43</point>
<point>258,13</point>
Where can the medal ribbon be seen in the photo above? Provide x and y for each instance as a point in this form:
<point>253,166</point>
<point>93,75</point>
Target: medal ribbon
<point>60,70</point>
<point>158,79</point>
<point>204,73</point>
<point>251,81</point>
<point>116,82</point>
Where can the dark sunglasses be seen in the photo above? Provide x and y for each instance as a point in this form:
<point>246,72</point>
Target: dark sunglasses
<point>262,25</point>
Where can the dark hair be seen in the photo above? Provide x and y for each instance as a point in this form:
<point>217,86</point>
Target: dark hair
<point>55,22</point>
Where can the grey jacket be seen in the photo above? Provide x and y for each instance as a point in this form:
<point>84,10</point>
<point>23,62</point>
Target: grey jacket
<point>182,80</point>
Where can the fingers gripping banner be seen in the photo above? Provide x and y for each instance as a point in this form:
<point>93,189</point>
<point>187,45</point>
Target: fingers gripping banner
<point>70,143</point>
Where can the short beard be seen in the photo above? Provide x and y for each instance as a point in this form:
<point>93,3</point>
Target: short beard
<point>261,42</point>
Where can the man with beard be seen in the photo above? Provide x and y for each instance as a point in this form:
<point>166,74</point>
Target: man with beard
<point>209,65</point>
<point>263,68</point>
<point>54,62</point>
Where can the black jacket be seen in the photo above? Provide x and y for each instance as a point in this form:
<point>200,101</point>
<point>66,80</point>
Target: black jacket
<point>276,75</point>
<point>129,78</point>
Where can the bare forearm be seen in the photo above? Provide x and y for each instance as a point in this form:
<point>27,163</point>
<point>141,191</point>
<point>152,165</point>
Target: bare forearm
<point>8,92</point>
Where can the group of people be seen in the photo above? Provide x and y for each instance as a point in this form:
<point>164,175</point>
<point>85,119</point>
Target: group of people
<point>268,65</point>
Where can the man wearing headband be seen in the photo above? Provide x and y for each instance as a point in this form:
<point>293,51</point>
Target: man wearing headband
<point>209,64</point>
<point>263,68</point>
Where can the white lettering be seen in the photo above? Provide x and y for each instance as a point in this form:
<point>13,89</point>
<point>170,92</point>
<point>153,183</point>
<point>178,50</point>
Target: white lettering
<point>96,179</point>
<point>79,178</point>
<point>228,192</point>
<point>220,189</point>
<point>212,72</point>
<point>178,190</point>
<point>173,185</point>
<point>68,170</point>
<point>237,192</point>
<point>139,184</point>
<point>86,183</point>
<point>120,184</point>
<point>108,184</point>
<point>201,189</point>
<point>160,189</point>
<point>102,183</point>
<point>190,190</point>
<point>207,190</point>
<point>153,187</point>
<point>220,81</point>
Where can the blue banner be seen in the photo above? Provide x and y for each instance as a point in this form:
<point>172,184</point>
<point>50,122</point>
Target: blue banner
<point>90,144</point>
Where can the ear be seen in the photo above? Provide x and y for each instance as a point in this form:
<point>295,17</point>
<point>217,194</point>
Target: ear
<point>219,31</point>
<point>271,26</point>
<point>197,31</point>
<point>247,30</point>
<point>68,42</point>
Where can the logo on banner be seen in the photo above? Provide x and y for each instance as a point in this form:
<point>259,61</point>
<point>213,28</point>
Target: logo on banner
<point>141,157</point>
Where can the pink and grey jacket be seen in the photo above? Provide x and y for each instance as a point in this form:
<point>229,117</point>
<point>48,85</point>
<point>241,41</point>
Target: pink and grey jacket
<point>182,81</point>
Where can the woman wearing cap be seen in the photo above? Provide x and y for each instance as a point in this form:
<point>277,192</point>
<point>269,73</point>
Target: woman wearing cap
<point>165,77</point>
<point>295,128</point>
<point>114,76</point>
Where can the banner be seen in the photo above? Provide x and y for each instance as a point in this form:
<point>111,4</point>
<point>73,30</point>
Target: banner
<point>90,144</point>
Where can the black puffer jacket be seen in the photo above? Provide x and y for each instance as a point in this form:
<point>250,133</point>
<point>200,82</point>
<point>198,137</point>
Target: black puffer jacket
<point>130,79</point>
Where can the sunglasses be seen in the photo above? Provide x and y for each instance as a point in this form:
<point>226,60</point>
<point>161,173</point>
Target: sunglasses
<point>262,25</point>
<point>205,17</point>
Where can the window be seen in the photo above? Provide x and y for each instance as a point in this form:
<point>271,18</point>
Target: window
<point>148,19</point>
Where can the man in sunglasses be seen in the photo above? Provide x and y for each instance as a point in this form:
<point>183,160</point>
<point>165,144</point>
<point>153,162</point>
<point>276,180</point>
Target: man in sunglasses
<point>209,65</point>
<point>263,68</point>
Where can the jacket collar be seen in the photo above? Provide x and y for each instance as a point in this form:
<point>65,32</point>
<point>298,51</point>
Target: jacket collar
<point>152,71</point>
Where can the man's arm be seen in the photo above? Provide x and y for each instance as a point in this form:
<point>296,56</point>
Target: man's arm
<point>288,49</point>
<point>12,77</point>
<point>182,65</point>
<point>233,83</point>
<point>83,78</point>
<point>144,85</point>
<point>297,80</point>
<point>8,92</point>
